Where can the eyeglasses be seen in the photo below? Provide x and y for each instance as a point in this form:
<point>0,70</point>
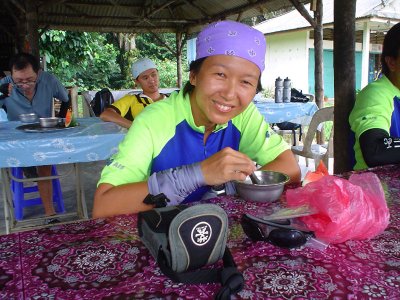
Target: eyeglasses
<point>26,83</point>
<point>278,234</point>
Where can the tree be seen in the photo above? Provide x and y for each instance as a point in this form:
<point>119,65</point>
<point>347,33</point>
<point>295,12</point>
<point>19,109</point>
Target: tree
<point>83,59</point>
<point>93,61</point>
<point>160,48</point>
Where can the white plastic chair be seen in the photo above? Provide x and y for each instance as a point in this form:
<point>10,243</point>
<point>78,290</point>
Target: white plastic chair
<point>87,108</point>
<point>313,150</point>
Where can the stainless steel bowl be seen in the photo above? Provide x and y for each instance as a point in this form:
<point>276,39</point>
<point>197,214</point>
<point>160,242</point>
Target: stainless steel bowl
<point>28,118</point>
<point>270,189</point>
<point>49,122</point>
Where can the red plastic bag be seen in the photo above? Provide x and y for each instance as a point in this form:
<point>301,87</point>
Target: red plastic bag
<point>345,209</point>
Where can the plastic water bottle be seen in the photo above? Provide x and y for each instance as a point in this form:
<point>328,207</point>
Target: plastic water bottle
<point>287,86</point>
<point>278,90</point>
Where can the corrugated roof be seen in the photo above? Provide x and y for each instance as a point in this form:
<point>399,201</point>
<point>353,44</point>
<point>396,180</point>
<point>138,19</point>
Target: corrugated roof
<point>135,16</point>
<point>389,9</point>
<point>138,15</point>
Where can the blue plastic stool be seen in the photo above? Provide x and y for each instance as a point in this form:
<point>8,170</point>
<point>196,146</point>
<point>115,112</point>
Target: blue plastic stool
<point>19,190</point>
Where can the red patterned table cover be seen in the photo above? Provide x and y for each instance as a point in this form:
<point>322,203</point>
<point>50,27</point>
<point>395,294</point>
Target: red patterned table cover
<point>104,259</point>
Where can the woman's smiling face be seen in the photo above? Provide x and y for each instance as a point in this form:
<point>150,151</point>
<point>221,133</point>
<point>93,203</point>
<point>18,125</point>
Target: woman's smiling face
<point>224,87</point>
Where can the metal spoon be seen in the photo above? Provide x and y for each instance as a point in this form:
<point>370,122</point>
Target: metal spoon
<point>255,179</point>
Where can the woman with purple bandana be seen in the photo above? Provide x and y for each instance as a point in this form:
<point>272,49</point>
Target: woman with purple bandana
<point>208,134</point>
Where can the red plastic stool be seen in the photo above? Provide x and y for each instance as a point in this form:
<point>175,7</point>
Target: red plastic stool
<point>19,190</point>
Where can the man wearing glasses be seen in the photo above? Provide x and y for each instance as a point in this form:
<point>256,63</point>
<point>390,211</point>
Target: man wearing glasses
<point>31,90</point>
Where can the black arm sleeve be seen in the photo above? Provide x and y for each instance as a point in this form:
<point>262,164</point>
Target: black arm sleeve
<point>378,148</point>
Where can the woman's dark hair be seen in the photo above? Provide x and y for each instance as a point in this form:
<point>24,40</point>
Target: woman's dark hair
<point>391,46</point>
<point>195,67</point>
<point>21,60</point>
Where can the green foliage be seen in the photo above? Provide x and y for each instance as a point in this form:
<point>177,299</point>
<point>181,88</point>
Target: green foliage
<point>80,58</point>
<point>165,60</point>
<point>327,130</point>
<point>92,60</point>
<point>167,70</point>
<point>268,92</point>
<point>150,46</point>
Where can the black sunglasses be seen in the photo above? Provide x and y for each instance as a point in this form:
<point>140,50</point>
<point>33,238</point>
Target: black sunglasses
<point>282,234</point>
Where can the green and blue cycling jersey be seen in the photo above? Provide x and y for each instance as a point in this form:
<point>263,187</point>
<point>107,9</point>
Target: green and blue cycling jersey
<point>376,106</point>
<point>164,136</point>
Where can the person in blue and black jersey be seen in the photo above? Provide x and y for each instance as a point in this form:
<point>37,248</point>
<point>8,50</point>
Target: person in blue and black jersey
<point>208,134</point>
<point>375,118</point>
<point>125,110</point>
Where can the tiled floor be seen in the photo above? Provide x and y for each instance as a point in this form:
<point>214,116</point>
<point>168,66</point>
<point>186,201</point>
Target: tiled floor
<point>90,175</point>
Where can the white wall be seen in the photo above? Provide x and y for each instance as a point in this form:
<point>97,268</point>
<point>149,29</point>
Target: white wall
<point>118,94</point>
<point>287,56</point>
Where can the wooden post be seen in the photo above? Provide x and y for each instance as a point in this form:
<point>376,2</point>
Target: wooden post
<point>74,100</point>
<point>319,62</point>
<point>344,77</point>
<point>319,55</point>
<point>20,31</point>
<point>179,47</point>
<point>32,27</point>
<point>316,23</point>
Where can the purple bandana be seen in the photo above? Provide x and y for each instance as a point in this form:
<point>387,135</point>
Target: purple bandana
<point>232,38</point>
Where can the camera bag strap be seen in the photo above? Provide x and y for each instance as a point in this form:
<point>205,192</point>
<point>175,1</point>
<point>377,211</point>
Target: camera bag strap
<point>185,241</point>
<point>231,279</point>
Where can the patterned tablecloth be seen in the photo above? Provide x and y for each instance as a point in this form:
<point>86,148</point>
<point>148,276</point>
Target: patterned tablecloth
<point>295,112</point>
<point>104,259</point>
<point>92,140</point>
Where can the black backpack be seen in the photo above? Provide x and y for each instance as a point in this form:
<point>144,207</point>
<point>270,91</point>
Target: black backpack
<point>298,96</point>
<point>291,126</point>
<point>101,100</point>
<point>288,126</point>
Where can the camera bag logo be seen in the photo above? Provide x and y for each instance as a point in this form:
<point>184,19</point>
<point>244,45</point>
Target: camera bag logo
<point>201,233</point>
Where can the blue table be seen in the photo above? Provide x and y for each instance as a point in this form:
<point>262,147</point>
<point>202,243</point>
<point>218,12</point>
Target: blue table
<point>93,140</point>
<point>3,115</point>
<point>295,112</point>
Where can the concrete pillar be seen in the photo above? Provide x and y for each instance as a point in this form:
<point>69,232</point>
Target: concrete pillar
<point>365,54</point>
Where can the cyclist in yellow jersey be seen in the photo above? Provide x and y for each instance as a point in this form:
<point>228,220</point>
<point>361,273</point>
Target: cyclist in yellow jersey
<point>124,111</point>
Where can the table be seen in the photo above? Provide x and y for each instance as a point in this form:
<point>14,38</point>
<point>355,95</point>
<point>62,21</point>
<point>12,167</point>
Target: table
<point>100,258</point>
<point>3,115</point>
<point>92,140</point>
<point>295,112</point>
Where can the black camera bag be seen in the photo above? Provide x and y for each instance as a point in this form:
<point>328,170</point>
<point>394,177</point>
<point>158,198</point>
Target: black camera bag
<point>183,239</point>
